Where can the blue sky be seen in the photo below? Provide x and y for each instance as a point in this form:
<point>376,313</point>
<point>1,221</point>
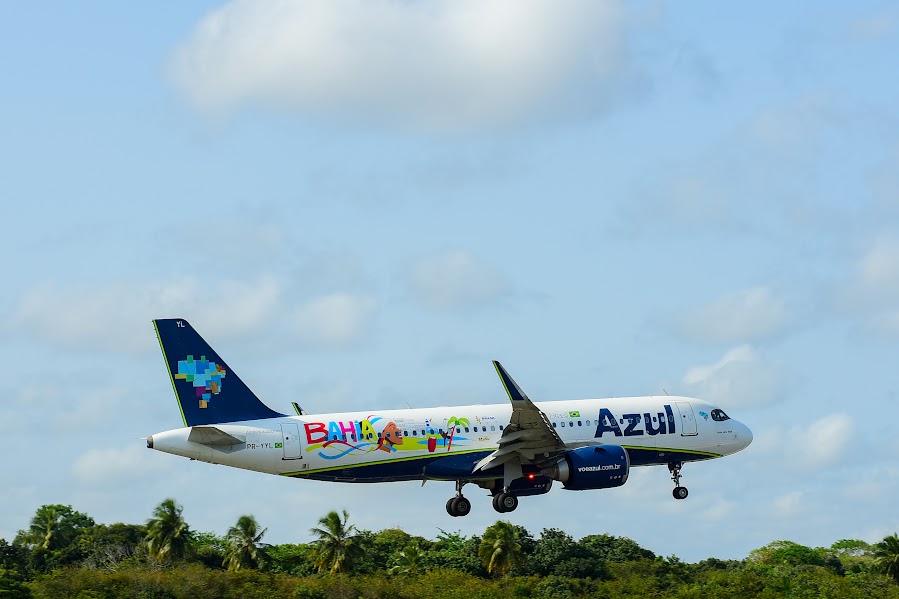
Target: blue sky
<point>359,204</point>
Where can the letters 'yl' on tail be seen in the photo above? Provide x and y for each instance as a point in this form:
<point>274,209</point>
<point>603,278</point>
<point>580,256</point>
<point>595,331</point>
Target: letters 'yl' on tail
<point>208,392</point>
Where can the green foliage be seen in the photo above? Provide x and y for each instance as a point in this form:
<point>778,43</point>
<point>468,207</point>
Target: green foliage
<point>408,561</point>
<point>245,548</point>
<point>391,564</point>
<point>15,561</point>
<point>168,535</point>
<point>609,548</point>
<point>54,527</point>
<point>13,589</point>
<point>335,546</point>
<point>297,560</point>
<point>886,556</point>
<point>453,551</point>
<point>500,550</point>
<point>110,547</point>
<point>208,548</point>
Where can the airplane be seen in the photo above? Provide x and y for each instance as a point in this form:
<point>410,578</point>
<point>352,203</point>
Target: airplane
<point>510,450</point>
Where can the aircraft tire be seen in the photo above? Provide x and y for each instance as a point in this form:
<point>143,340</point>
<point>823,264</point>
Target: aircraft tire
<point>507,501</point>
<point>461,506</point>
<point>449,506</point>
<point>680,492</point>
<point>496,504</point>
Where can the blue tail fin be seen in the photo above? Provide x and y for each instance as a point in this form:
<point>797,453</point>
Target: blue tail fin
<point>208,391</point>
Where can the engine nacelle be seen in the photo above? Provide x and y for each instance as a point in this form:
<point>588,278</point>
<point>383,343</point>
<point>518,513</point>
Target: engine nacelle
<point>600,467</point>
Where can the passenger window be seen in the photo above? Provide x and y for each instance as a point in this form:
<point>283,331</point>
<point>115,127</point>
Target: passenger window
<point>554,425</point>
<point>405,433</point>
<point>579,423</point>
<point>414,433</point>
<point>571,423</point>
<point>622,421</point>
<point>563,425</point>
<point>458,429</point>
<point>475,429</point>
<point>466,429</point>
<point>492,428</point>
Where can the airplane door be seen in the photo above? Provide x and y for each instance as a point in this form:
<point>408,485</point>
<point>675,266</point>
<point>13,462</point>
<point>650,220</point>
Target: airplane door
<point>687,419</point>
<point>290,434</point>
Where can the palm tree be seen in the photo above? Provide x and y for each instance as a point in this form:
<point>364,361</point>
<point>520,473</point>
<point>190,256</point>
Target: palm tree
<point>245,546</point>
<point>500,550</point>
<point>408,561</point>
<point>452,423</point>
<point>44,529</point>
<point>167,532</point>
<point>334,548</point>
<point>886,556</point>
<point>55,526</point>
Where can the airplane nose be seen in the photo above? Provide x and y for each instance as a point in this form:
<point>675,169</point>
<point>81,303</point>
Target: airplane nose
<point>745,436</point>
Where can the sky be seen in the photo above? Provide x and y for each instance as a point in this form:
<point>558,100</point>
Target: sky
<point>359,204</point>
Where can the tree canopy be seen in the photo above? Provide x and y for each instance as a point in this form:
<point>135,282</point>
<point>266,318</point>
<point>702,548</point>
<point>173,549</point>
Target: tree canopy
<point>67,554</point>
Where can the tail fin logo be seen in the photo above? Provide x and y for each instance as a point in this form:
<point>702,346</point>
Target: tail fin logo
<point>205,376</point>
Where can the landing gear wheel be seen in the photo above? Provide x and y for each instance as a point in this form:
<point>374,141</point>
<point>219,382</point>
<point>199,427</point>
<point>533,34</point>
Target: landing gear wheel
<point>505,502</point>
<point>679,492</point>
<point>462,506</point>
<point>458,506</point>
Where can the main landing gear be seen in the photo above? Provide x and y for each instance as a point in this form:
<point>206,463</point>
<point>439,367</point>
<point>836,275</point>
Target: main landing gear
<point>505,502</point>
<point>458,505</point>
<point>679,492</point>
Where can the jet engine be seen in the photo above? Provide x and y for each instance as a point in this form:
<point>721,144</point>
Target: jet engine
<point>598,467</point>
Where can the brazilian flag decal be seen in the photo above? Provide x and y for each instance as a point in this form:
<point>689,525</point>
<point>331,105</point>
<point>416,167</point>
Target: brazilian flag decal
<point>279,445</point>
<point>574,414</point>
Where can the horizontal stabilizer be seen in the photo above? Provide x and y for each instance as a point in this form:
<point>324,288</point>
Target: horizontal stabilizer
<point>212,436</point>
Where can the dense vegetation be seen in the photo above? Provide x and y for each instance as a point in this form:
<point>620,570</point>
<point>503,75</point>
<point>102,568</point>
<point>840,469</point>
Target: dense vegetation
<point>64,553</point>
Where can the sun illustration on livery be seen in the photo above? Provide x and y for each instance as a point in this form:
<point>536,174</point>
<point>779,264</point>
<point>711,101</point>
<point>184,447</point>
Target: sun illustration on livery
<point>205,376</point>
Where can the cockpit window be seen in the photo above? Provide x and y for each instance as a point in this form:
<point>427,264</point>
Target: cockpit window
<point>719,415</point>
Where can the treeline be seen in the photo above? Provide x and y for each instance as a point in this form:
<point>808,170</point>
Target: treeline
<point>65,553</point>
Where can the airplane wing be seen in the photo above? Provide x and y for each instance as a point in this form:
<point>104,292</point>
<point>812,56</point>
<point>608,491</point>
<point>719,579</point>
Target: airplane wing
<point>529,437</point>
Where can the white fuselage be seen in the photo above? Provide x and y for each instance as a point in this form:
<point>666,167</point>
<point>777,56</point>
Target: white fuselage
<point>399,444</point>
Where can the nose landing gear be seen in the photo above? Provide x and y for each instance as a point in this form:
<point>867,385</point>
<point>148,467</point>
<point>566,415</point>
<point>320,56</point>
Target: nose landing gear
<point>679,492</point>
<point>458,505</point>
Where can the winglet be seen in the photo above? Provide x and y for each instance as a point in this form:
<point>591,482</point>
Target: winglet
<point>512,388</point>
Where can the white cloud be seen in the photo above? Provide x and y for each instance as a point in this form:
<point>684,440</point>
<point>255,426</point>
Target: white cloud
<point>741,378</point>
<point>746,315</point>
<point>455,280</point>
<point>116,316</point>
<point>823,441</point>
<point>439,65</point>
<point>875,26</point>
<point>789,505</point>
<point>872,292</point>
<point>99,466</point>
<point>878,271</point>
<point>334,320</point>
